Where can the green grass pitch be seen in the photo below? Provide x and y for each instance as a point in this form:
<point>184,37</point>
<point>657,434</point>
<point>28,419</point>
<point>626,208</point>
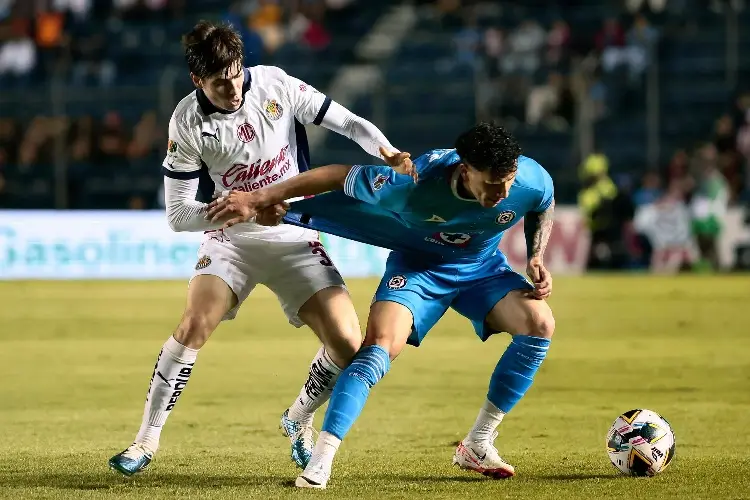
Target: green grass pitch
<point>76,358</point>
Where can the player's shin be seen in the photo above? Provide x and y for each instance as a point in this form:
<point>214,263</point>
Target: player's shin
<point>510,380</point>
<point>317,389</point>
<point>171,373</point>
<point>347,400</point>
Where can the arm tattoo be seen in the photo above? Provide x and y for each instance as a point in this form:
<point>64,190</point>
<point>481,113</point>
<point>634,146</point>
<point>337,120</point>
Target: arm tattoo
<point>537,228</point>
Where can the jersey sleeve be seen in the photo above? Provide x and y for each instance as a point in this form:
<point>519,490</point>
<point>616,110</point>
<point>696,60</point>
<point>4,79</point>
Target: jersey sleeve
<point>547,191</point>
<point>183,160</point>
<point>309,105</point>
<point>379,185</point>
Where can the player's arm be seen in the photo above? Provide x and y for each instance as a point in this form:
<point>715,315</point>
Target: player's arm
<point>376,184</point>
<point>537,227</point>
<point>313,107</point>
<point>181,169</point>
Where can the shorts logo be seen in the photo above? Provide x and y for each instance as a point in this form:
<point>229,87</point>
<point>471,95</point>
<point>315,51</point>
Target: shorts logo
<point>505,217</point>
<point>396,282</point>
<point>203,262</point>
<point>273,109</point>
<point>246,132</point>
<point>379,182</point>
<point>171,147</point>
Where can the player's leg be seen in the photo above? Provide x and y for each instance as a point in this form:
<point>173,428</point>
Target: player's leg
<point>209,300</point>
<point>312,292</point>
<point>407,304</point>
<point>531,324</point>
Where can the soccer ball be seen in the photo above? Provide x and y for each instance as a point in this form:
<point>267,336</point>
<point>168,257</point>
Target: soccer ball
<point>640,443</point>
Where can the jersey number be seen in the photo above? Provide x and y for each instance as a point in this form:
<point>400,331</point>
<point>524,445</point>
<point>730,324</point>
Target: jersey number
<point>316,247</point>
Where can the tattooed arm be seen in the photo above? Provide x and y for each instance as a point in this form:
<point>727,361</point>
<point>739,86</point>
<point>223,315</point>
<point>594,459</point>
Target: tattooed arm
<point>538,227</point>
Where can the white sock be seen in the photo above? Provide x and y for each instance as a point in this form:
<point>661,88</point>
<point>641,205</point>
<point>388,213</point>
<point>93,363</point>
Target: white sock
<point>324,451</point>
<point>171,373</point>
<point>317,389</point>
<point>487,421</point>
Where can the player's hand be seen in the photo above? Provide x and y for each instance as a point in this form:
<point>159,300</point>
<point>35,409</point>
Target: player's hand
<point>541,278</point>
<point>235,207</point>
<point>400,162</point>
<point>272,216</point>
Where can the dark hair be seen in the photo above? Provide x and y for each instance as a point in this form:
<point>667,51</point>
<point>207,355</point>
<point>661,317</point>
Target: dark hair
<point>211,48</point>
<point>487,146</point>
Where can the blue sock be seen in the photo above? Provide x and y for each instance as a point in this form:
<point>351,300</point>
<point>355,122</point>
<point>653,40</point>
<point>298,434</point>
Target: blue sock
<point>353,387</point>
<point>515,371</point>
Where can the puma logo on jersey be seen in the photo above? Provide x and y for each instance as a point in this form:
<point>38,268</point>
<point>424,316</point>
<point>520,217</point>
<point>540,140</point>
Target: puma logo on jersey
<point>215,135</point>
<point>435,218</point>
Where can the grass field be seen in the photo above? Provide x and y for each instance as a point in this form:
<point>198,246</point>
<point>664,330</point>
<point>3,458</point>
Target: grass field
<point>75,361</point>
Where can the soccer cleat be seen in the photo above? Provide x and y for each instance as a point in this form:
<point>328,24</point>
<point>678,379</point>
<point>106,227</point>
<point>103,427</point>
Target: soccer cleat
<point>132,460</point>
<point>483,458</point>
<point>301,438</point>
<point>316,477</point>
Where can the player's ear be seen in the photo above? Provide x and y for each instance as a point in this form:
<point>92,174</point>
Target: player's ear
<point>196,81</point>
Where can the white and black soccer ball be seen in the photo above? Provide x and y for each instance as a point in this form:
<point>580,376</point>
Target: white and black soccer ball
<point>640,443</point>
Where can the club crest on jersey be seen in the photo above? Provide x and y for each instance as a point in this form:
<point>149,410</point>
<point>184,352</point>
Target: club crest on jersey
<point>505,217</point>
<point>203,262</point>
<point>273,109</point>
<point>396,282</point>
<point>452,239</point>
<point>379,182</point>
<point>246,132</point>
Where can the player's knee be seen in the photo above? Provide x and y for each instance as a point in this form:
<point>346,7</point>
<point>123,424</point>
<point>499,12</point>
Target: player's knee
<point>342,343</point>
<point>540,322</point>
<point>194,330</point>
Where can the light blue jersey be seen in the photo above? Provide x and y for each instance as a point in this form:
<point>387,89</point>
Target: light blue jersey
<point>427,217</point>
<point>445,246</point>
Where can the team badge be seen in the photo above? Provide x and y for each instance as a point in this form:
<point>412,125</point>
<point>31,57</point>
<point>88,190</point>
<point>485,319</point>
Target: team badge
<point>171,147</point>
<point>273,109</point>
<point>505,217</point>
<point>246,132</point>
<point>379,182</point>
<point>203,262</point>
<point>396,282</point>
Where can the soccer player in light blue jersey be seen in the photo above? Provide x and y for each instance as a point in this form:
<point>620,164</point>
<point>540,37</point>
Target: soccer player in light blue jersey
<point>444,225</point>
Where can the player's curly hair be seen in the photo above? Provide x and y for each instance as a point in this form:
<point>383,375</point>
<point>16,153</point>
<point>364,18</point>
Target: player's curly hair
<point>487,146</point>
<point>211,48</point>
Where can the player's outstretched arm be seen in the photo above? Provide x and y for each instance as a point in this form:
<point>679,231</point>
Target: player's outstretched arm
<point>538,227</point>
<point>239,206</point>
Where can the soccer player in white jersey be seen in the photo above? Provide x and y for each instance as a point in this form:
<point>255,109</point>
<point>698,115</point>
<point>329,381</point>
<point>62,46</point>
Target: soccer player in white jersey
<point>242,129</point>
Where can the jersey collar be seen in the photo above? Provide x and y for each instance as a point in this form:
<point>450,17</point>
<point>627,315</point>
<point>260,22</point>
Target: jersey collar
<point>207,106</point>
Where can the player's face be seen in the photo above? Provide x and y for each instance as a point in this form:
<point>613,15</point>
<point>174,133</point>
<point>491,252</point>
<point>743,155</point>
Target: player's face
<point>488,188</point>
<point>223,89</point>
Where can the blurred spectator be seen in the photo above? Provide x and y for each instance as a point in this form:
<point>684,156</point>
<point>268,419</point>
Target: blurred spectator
<point>466,44</point>
<point>558,41</point>
<point>550,104</point>
<point>609,42</point>
<point>81,139</point>
<point>649,191</point>
<point>595,200</point>
<point>18,54</point>
<point>679,179</point>
<point>266,21</point>
<point>111,141</point>
<point>145,136</point>
<point>251,40</point>
<point>725,137</point>
<point>641,42</point>
<point>523,54</point>
<point>708,207</point>
<point>636,5</point>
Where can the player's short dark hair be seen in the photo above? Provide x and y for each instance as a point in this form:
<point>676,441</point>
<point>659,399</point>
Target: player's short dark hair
<point>211,48</point>
<point>487,146</point>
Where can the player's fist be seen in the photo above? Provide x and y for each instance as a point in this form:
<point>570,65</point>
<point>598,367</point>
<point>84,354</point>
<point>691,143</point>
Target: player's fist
<point>540,277</point>
<point>400,162</point>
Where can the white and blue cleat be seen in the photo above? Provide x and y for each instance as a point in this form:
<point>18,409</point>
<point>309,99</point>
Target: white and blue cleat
<point>301,439</point>
<point>132,460</point>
